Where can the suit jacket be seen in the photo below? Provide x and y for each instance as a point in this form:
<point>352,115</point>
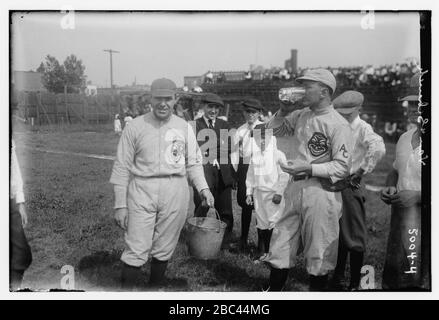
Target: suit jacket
<point>223,151</point>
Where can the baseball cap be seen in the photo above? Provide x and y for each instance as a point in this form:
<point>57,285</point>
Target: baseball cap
<point>320,75</point>
<point>413,90</point>
<point>348,101</point>
<point>163,88</point>
<point>212,98</point>
<point>252,103</point>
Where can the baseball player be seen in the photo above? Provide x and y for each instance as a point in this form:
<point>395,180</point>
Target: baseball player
<point>265,183</point>
<point>321,155</point>
<point>20,256</point>
<point>368,149</point>
<point>240,158</point>
<point>155,154</point>
<point>407,263</point>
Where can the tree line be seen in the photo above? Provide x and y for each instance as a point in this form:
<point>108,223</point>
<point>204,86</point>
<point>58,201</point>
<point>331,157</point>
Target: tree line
<point>70,74</point>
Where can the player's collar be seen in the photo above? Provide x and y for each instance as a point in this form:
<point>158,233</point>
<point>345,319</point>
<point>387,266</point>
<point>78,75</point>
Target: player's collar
<point>323,110</point>
<point>355,123</point>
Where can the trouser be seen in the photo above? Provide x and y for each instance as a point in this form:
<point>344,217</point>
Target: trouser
<point>311,218</point>
<point>223,201</point>
<point>404,265</point>
<point>267,212</point>
<point>246,214</point>
<point>20,254</point>
<point>157,211</point>
<point>353,235</point>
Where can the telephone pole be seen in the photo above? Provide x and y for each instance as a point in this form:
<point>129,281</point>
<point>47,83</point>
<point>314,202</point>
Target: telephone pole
<point>110,51</point>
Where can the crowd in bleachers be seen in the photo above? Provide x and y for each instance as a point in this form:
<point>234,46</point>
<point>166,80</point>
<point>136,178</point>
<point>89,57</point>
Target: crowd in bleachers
<point>391,75</point>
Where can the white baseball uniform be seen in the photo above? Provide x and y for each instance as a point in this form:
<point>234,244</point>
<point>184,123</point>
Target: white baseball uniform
<point>153,159</point>
<point>311,215</point>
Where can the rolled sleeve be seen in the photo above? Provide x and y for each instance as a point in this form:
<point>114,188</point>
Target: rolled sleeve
<point>375,150</point>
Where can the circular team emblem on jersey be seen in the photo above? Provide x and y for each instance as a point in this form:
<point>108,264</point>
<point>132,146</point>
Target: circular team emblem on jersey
<point>177,150</point>
<point>318,144</point>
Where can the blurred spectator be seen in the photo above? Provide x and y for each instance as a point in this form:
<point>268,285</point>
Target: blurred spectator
<point>390,131</point>
<point>284,75</point>
<point>373,122</point>
<point>117,125</point>
<point>221,77</point>
<point>128,118</point>
<point>248,76</point>
<point>197,89</point>
<point>365,117</point>
<point>209,77</point>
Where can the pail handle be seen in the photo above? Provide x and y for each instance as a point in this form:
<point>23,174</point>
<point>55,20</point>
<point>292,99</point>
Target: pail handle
<point>217,216</point>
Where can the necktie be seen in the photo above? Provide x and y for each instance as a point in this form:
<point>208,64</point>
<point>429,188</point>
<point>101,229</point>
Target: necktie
<point>211,124</point>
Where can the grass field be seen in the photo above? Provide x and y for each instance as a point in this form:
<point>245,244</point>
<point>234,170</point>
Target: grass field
<point>70,204</point>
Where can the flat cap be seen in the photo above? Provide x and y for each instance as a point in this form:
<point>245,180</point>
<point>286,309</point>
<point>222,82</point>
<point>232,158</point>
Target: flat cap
<point>252,103</point>
<point>320,75</point>
<point>212,98</point>
<point>413,90</point>
<point>163,88</point>
<point>348,101</point>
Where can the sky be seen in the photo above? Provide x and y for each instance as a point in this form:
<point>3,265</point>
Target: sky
<point>174,45</point>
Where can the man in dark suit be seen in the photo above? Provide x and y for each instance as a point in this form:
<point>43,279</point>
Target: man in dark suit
<point>215,143</point>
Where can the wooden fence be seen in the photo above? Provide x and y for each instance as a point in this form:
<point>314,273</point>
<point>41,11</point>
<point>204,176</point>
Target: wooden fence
<point>48,108</point>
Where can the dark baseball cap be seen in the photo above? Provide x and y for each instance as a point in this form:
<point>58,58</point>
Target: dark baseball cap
<point>212,98</point>
<point>252,103</point>
<point>163,88</point>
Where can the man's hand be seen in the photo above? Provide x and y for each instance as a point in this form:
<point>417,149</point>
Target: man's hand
<point>356,178</point>
<point>277,198</point>
<point>207,196</point>
<point>387,193</point>
<point>286,108</point>
<point>249,200</point>
<point>406,198</point>
<point>23,214</point>
<point>299,167</point>
<point>121,217</point>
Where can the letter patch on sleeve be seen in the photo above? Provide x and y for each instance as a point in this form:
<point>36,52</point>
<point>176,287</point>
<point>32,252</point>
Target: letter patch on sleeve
<point>345,152</point>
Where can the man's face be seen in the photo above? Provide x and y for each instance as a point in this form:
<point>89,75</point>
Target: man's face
<point>351,116</point>
<point>162,107</point>
<point>211,110</point>
<point>251,115</point>
<point>314,93</point>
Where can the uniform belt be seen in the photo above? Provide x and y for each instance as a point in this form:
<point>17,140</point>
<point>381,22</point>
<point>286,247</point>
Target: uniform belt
<point>299,177</point>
